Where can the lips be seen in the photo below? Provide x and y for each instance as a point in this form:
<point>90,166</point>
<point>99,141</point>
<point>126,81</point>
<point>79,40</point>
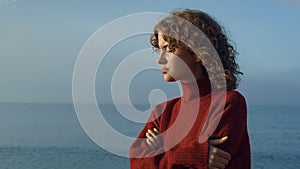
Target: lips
<point>164,70</point>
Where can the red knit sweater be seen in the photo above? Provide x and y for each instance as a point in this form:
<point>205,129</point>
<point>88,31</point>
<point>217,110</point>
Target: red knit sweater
<point>187,122</point>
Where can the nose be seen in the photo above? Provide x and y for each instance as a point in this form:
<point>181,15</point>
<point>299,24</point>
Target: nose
<point>161,58</point>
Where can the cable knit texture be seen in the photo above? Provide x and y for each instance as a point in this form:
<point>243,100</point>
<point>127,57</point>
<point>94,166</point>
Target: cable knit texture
<point>186,124</point>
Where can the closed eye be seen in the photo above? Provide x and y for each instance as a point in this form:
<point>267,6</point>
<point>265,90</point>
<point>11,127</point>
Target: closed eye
<point>166,48</point>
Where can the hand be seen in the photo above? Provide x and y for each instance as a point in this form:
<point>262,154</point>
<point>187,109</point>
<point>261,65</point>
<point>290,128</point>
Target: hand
<point>152,139</point>
<point>218,158</point>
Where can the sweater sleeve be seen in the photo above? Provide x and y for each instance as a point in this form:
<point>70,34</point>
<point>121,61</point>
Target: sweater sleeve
<point>231,121</point>
<point>189,153</point>
<point>141,155</point>
<point>192,156</point>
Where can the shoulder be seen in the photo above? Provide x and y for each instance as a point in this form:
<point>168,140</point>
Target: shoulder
<point>229,100</point>
<point>234,96</point>
<point>228,96</point>
<point>235,101</point>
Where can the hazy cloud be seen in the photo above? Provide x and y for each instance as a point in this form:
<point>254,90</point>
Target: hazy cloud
<point>7,1</point>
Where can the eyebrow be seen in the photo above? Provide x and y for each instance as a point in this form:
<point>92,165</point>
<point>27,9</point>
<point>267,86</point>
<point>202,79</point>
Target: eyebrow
<point>163,46</point>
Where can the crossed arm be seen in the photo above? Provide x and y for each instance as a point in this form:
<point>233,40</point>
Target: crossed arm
<point>217,158</point>
<point>196,155</point>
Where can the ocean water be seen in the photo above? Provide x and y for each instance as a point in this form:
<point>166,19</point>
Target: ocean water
<point>49,136</point>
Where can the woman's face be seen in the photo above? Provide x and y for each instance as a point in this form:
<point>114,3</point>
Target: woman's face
<point>178,65</point>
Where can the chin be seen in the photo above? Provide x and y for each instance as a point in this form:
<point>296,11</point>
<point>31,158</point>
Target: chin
<point>169,78</point>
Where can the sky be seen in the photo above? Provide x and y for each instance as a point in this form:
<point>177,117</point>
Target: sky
<point>40,42</point>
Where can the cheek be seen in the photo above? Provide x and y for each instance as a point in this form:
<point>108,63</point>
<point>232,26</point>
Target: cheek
<point>179,70</point>
<point>179,64</point>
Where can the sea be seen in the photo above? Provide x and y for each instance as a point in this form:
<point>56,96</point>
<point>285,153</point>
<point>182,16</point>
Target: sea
<point>49,136</point>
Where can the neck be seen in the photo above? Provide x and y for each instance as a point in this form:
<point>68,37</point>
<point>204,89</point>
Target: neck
<point>198,74</point>
<point>197,88</point>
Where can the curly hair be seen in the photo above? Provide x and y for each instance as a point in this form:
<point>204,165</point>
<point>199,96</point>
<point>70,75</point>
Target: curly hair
<point>213,32</point>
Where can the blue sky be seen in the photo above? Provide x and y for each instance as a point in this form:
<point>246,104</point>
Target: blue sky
<point>40,42</point>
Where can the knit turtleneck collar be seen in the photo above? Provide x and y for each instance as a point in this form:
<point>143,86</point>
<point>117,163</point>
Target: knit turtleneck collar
<point>196,89</point>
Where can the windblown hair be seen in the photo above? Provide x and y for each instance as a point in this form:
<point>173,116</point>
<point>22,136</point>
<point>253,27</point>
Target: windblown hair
<point>181,32</point>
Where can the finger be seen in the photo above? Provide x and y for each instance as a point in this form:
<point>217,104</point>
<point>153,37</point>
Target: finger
<point>217,165</point>
<point>149,143</point>
<point>217,159</point>
<point>211,167</point>
<point>214,168</point>
<point>152,133</point>
<point>214,163</point>
<point>155,130</point>
<point>218,141</point>
<point>152,139</point>
<point>222,153</point>
<point>214,155</point>
<point>218,152</point>
<point>155,138</point>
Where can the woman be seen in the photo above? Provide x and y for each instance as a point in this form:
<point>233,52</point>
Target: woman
<point>207,126</point>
